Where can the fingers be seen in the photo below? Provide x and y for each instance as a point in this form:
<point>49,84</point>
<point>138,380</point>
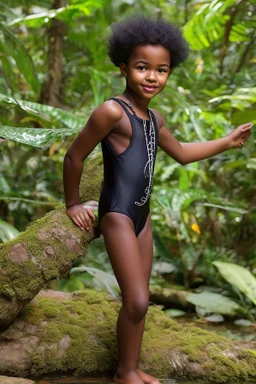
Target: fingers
<point>246,127</point>
<point>82,217</point>
<point>245,133</point>
<point>86,218</point>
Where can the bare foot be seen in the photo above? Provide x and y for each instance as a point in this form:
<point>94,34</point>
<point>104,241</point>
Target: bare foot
<point>131,377</point>
<point>147,379</point>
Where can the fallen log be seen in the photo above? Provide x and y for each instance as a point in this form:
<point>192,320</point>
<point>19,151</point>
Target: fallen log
<point>59,332</point>
<point>45,251</point>
<point>170,297</point>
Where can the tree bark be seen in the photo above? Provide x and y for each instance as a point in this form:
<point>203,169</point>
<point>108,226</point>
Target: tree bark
<point>170,297</point>
<point>45,251</point>
<point>51,93</point>
<point>62,332</point>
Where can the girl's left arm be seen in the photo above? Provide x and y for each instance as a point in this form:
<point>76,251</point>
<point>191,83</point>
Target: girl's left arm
<point>189,152</point>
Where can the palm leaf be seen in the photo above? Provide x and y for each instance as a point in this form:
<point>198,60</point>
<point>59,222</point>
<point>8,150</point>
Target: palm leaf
<point>34,136</point>
<point>207,25</point>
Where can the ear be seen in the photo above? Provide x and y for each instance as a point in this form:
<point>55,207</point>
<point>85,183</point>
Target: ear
<point>123,69</point>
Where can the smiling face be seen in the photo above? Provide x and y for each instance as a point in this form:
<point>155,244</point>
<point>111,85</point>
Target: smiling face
<point>147,70</point>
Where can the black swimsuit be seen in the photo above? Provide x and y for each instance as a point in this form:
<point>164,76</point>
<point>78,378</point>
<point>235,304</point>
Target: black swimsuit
<point>128,176</point>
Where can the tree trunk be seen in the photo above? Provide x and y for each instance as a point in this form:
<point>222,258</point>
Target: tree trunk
<point>45,251</point>
<point>51,93</point>
<point>76,333</point>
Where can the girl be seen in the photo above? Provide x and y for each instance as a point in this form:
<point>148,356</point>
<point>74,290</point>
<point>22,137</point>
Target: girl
<point>146,51</point>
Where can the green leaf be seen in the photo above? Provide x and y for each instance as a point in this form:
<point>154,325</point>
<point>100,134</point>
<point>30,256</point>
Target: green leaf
<point>21,56</point>
<point>174,312</point>
<point>67,14</point>
<point>108,279</point>
<point>239,277</point>
<point>161,246</point>
<point>183,179</point>
<point>214,302</point>
<point>180,199</point>
<point>226,207</point>
<point>207,24</point>
<point>46,113</point>
<point>215,318</point>
<point>7,231</point>
<point>36,137</point>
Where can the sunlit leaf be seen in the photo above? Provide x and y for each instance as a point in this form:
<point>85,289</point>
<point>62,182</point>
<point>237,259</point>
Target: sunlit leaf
<point>174,312</point>
<point>36,137</point>
<point>107,279</point>
<point>240,277</point>
<point>7,231</point>
<point>214,302</point>
<point>67,14</point>
<point>46,113</point>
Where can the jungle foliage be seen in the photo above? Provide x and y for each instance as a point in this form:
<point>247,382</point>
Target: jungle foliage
<point>55,71</point>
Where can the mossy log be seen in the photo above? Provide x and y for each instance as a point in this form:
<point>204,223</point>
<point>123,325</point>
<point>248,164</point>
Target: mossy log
<point>45,251</point>
<point>14,380</point>
<point>170,297</point>
<point>75,333</point>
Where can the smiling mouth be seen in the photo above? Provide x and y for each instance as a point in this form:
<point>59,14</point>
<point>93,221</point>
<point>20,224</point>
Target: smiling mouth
<point>149,88</point>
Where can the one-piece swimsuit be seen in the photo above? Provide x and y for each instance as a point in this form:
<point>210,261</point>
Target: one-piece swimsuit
<point>128,176</point>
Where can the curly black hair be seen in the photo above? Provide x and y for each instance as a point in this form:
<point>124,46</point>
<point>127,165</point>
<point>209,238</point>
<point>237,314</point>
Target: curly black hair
<point>140,30</point>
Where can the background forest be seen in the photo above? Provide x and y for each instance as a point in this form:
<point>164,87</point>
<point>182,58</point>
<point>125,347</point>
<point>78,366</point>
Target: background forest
<point>55,71</point>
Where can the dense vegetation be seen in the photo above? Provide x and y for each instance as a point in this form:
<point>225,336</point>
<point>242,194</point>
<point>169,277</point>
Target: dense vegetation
<point>55,71</point>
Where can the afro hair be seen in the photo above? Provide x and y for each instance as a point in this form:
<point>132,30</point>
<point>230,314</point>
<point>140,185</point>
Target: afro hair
<point>140,30</point>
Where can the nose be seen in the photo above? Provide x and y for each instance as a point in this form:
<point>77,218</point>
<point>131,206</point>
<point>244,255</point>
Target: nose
<point>151,76</point>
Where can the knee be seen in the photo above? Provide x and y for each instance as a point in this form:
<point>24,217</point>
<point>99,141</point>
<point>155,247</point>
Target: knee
<point>137,308</point>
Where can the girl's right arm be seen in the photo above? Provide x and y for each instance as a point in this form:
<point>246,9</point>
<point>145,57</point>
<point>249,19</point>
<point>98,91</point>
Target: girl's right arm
<point>102,121</point>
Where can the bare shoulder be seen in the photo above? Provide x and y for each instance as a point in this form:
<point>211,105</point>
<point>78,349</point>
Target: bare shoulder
<point>109,112</point>
<point>159,118</point>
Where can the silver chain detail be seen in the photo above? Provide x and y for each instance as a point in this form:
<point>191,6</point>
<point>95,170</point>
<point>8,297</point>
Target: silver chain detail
<point>149,166</point>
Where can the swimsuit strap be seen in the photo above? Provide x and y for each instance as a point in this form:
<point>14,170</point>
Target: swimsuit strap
<point>123,105</point>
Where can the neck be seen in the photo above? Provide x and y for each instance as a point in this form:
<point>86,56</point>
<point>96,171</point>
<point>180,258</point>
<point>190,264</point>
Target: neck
<point>140,105</point>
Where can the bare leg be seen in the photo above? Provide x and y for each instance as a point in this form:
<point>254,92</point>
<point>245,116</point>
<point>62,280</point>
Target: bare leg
<point>124,254</point>
<point>145,241</point>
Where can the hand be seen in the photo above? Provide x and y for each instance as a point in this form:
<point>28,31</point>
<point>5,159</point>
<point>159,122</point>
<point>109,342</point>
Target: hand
<point>82,216</point>
<point>239,135</point>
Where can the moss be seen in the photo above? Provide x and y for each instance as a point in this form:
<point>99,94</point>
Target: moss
<point>87,324</point>
<point>32,314</point>
<point>91,179</point>
<point>40,267</point>
<point>83,354</point>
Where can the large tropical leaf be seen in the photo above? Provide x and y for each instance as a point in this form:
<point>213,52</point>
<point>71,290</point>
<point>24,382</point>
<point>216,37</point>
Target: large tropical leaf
<point>214,303</point>
<point>239,277</point>
<point>36,137</point>
<point>107,279</point>
<point>207,25</point>
<point>46,113</point>
<point>178,199</point>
